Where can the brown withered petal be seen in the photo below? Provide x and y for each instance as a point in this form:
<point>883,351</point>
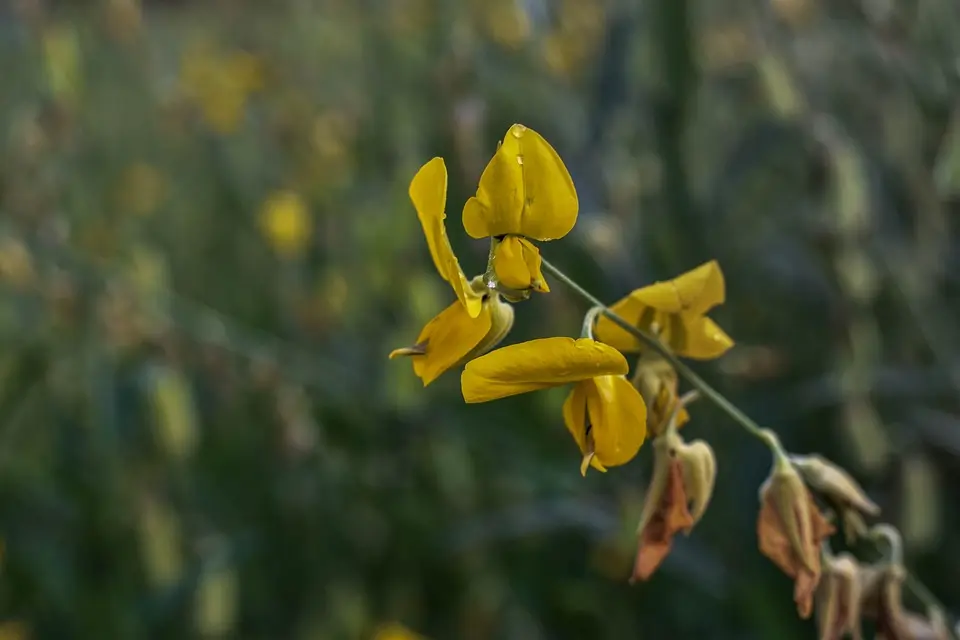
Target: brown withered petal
<point>793,543</point>
<point>834,483</point>
<point>838,598</point>
<point>671,515</point>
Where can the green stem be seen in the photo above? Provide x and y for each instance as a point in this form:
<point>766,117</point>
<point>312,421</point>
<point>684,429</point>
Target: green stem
<point>767,436</point>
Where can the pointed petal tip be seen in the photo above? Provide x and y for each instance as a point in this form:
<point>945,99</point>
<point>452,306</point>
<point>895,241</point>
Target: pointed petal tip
<point>585,464</point>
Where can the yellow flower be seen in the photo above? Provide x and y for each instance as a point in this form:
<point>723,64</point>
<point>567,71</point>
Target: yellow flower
<point>604,413</point>
<point>396,631</point>
<point>221,84</point>
<point>673,310</point>
<point>478,319</point>
<point>285,222</point>
<point>525,193</point>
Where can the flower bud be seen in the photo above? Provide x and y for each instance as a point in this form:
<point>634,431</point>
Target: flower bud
<point>699,474</point>
<point>837,486</point>
<point>501,321</point>
<point>838,598</point>
<point>790,529</point>
<point>678,495</point>
<point>657,382</point>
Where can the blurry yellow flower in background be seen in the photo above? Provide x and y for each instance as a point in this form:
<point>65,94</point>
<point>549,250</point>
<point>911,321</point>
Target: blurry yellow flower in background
<point>396,631</point>
<point>220,84</point>
<point>286,224</point>
<point>124,19</point>
<point>674,311</point>
<point>506,22</point>
<point>62,59</point>
<point>478,320</point>
<point>604,413</point>
<point>525,193</point>
<point>14,630</point>
<point>16,263</point>
<point>141,189</point>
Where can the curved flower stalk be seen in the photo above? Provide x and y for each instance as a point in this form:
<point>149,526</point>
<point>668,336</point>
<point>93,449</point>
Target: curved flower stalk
<point>604,413</point>
<point>478,320</point>
<point>525,193</point>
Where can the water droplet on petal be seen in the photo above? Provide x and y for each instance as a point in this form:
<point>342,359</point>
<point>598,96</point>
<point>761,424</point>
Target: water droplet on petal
<point>520,160</point>
<point>517,130</point>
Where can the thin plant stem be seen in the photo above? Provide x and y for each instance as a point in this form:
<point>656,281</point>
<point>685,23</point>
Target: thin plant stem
<point>767,436</point>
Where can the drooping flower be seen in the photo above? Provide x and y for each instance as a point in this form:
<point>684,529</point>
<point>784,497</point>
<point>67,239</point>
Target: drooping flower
<point>604,412</point>
<point>839,597</point>
<point>478,319</point>
<point>677,497</point>
<point>790,529</point>
<point>883,596</point>
<point>674,311</point>
<point>525,193</point>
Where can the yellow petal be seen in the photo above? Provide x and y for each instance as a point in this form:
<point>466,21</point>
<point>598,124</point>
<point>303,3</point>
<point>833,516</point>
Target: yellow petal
<point>677,307</point>
<point>524,190</point>
<point>538,364</point>
<point>575,416</point>
<point>704,340</point>
<point>446,341</point>
<point>618,417</point>
<point>608,332</point>
<point>694,292</point>
<point>575,419</point>
<point>517,265</point>
<point>428,191</point>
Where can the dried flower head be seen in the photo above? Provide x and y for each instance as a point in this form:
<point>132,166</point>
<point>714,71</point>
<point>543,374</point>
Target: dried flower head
<point>883,597</point>
<point>790,529</point>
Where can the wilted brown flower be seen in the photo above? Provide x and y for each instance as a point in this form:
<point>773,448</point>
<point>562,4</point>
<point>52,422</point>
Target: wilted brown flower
<point>884,604</point>
<point>883,601</point>
<point>838,598</point>
<point>681,487</point>
<point>790,529</point>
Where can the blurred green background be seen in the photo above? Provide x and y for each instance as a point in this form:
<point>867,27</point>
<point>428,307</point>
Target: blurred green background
<point>207,251</point>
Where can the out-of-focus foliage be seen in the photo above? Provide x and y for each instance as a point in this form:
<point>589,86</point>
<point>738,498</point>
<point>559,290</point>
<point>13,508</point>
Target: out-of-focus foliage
<point>207,251</point>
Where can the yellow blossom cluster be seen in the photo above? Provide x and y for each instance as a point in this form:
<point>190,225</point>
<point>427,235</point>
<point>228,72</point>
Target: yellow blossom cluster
<point>526,195</point>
